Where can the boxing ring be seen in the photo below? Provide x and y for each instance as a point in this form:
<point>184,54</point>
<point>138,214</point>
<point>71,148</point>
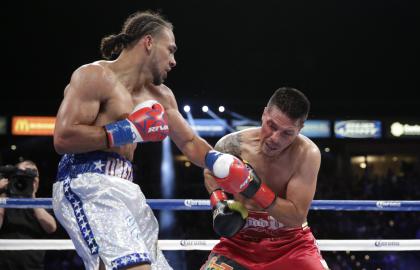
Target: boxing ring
<point>207,244</point>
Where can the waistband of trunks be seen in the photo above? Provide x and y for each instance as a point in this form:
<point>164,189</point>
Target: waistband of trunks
<point>259,234</point>
<point>108,163</point>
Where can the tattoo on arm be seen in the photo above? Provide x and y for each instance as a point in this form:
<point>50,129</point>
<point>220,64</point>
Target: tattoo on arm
<point>230,144</point>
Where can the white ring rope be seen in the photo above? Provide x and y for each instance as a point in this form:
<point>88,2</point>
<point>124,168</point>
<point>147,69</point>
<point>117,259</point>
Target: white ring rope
<point>183,244</point>
<point>190,204</point>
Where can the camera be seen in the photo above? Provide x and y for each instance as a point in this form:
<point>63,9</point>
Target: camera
<point>20,181</point>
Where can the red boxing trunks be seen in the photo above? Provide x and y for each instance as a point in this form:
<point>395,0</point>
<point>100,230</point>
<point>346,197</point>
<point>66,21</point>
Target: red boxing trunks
<point>263,244</point>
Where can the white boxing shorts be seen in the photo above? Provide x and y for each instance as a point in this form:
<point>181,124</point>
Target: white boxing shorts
<point>104,213</point>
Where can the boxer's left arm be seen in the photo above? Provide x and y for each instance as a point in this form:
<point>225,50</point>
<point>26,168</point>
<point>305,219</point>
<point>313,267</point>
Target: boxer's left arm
<point>227,220</point>
<point>192,145</point>
<point>228,144</point>
<point>293,210</point>
<point>234,175</point>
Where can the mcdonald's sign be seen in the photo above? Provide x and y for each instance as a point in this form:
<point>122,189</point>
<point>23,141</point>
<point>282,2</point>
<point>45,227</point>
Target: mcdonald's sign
<point>33,125</point>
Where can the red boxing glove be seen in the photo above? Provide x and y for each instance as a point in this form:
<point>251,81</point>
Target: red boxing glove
<point>230,173</point>
<point>235,176</point>
<point>150,120</point>
<point>258,190</point>
<point>147,123</point>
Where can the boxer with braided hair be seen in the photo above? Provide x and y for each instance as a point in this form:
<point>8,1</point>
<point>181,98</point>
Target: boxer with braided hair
<point>109,107</point>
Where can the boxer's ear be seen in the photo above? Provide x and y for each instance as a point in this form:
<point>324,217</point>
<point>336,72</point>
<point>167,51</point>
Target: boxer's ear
<point>148,43</point>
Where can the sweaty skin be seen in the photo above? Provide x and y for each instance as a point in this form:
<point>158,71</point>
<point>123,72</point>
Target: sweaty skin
<point>289,166</point>
<point>104,92</point>
<point>107,91</point>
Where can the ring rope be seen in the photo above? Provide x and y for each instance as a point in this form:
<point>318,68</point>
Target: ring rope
<point>184,244</point>
<point>192,204</point>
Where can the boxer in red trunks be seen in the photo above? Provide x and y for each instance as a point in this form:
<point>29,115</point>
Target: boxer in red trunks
<point>265,227</point>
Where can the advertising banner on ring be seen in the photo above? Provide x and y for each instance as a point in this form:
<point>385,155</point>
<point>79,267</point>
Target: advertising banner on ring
<point>403,129</point>
<point>316,129</point>
<point>358,129</point>
<point>209,127</point>
<point>33,125</point>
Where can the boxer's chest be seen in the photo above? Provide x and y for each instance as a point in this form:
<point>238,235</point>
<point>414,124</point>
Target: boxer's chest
<point>122,103</point>
<point>275,173</point>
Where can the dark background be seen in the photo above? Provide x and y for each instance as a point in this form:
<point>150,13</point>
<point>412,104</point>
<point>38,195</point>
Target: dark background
<point>349,57</point>
<point>353,59</point>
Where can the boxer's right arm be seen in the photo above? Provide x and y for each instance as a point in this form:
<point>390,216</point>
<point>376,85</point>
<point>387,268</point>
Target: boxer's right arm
<point>74,131</point>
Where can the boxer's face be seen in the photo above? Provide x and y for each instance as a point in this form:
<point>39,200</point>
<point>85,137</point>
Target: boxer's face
<point>163,56</point>
<point>278,131</point>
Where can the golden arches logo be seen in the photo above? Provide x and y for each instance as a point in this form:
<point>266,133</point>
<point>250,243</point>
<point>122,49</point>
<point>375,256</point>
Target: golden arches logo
<point>33,125</point>
<point>21,125</point>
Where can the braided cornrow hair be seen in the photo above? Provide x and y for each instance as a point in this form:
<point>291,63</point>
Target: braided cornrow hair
<point>135,27</point>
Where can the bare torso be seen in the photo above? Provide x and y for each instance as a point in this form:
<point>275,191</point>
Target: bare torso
<point>117,102</point>
<point>104,92</point>
<point>275,172</point>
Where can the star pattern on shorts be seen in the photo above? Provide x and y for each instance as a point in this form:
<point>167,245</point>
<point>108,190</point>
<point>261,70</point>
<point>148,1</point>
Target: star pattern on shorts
<point>98,165</point>
<point>81,218</point>
<point>72,166</point>
<point>131,259</point>
<point>76,204</point>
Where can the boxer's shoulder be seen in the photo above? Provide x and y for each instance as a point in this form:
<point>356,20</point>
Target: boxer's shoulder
<point>306,145</point>
<point>86,71</point>
<point>231,143</point>
<point>305,149</point>
<point>89,75</point>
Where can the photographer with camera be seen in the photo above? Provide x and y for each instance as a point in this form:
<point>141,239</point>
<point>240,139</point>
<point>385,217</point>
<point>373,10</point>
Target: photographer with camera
<point>22,181</point>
